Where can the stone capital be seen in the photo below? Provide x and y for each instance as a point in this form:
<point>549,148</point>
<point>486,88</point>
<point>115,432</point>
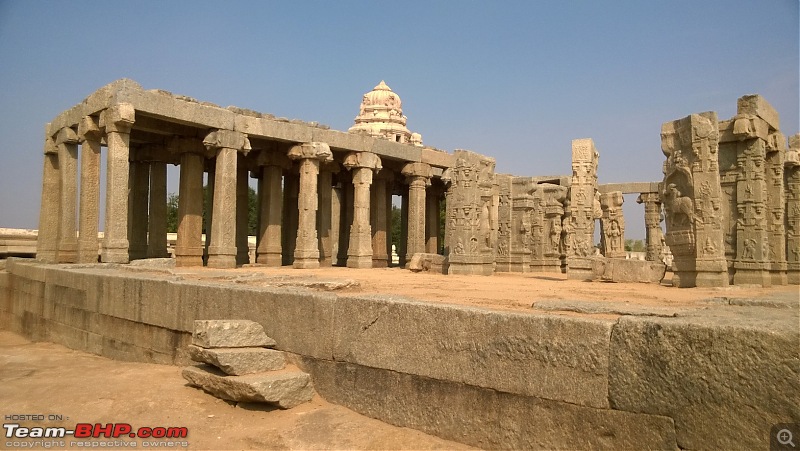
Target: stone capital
<point>367,160</point>
<point>648,197</point>
<point>65,135</point>
<point>417,170</point>
<point>119,118</point>
<point>227,139</point>
<point>311,150</point>
<point>89,129</point>
<point>267,158</point>
<point>50,146</point>
<point>750,127</point>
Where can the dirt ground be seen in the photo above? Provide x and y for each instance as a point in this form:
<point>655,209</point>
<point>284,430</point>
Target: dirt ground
<point>49,379</point>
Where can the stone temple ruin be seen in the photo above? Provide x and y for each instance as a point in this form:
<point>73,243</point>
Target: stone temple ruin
<point>729,194</point>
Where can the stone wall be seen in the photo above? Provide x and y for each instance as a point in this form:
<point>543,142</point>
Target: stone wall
<point>499,380</point>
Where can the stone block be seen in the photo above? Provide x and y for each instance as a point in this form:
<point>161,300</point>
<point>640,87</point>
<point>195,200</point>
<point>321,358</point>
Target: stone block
<point>239,361</point>
<point>427,262</point>
<point>622,270</point>
<point>483,417</point>
<point>229,334</point>
<point>756,105</point>
<point>553,357</point>
<point>724,376</point>
<point>285,388</point>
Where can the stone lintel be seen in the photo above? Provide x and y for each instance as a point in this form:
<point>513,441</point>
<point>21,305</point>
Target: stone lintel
<point>313,150</point>
<point>629,187</point>
<point>268,158</point>
<point>367,160</point>
<point>227,139</point>
<point>755,105</point>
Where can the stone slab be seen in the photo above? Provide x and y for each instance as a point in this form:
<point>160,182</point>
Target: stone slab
<point>229,334</point>
<point>553,357</point>
<point>605,307</point>
<point>287,389</point>
<point>629,187</point>
<point>239,361</point>
<point>482,417</point>
<point>724,375</point>
<point>422,261</point>
<point>641,271</point>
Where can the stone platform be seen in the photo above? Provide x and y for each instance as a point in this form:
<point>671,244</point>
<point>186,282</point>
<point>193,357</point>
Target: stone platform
<point>610,372</point>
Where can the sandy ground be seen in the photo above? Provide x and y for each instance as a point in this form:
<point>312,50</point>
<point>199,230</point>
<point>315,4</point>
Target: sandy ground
<point>45,378</point>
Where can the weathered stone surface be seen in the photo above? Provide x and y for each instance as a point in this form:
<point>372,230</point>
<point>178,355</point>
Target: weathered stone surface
<point>239,361</point>
<point>422,261</point>
<point>553,357</point>
<point>285,388</point>
<point>614,308</point>
<point>724,377</point>
<point>482,417</point>
<point>621,270</point>
<point>229,334</point>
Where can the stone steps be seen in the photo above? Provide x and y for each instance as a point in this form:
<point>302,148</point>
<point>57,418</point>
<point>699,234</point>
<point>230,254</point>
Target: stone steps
<point>236,365</point>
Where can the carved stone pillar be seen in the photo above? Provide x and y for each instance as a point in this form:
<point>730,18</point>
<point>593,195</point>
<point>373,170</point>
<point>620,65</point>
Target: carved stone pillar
<point>189,245</point>
<point>418,177</point>
<point>692,199</point>
<point>469,208</point>
<point>157,223</point>
<point>547,214</point>
<point>380,217</point>
<point>208,203</point>
<point>271,199</point>
<point>506,217</point>
<point>138,217</point>
<point>361,165</point>
<point>49,214</point>
<point>306,253</point>
<point>242,212</point>
<point>89,207</point>
<point>792,221</point>
<point>584,208</point>
<point>118,121</point>
<point>402,247</point>
<point>612,235</point>
<point>654,236</point>
<point>324,213</point>
<point>227,144</point>
<point>776,203</point>
<point>67,143</point>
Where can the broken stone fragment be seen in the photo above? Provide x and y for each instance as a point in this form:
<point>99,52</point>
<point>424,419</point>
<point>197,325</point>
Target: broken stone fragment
<point>230,334</point>
<point>287,388</point>
<point>239,361</point>
<point>422,261</point>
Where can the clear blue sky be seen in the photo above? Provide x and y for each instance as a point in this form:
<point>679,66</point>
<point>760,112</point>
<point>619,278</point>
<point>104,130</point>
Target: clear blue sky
<point>514,80</point>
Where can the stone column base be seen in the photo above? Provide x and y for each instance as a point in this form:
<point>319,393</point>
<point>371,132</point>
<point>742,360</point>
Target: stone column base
<point>221,257</point>
<point>189,256</point>
<point>361,261</point>
<point>270,259</point>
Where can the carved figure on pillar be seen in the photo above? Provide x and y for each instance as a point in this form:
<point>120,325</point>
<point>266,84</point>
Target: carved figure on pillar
<point>612,237</point>
<point>469,203</point>
<point>548,211</point>
<point>306,252</point>
<point>362,165</point>
<point>584,208</point>
<point>691,196</point>
<point>792,216</point>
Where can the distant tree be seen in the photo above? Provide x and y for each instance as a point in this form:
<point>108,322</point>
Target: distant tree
<point>635,245</point>
<point>396,225</point>
<point>252,210</point>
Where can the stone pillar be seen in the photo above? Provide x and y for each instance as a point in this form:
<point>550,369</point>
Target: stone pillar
<point>49,213</point>
<point>242,212</point>
<point>361,165</point>
<point>432,198</point>
<point>291,190</point>
<point>336,220</point>
<point>792,222</point>
<point>157,223</point>
<point>271,199</point>
<point>418,176</point>
<point>324,213</point>
<point>612,236</point>
<point>547,214</point>
<point>67,143</point>
<point>469,207</point>
<point>189,245</point>
<point>306,253</point>
<point>776,203</point>
<point>654,236</point>
<point>380,218</point>
<point>208,205</point>
<point>227,144</point>
<point>118,120</point>
<point>402,247</point>
<point>138,194</point>
<point>584,208</point>
<point>692,199</point>
<point>506,217</point>
<point>89,207</point>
